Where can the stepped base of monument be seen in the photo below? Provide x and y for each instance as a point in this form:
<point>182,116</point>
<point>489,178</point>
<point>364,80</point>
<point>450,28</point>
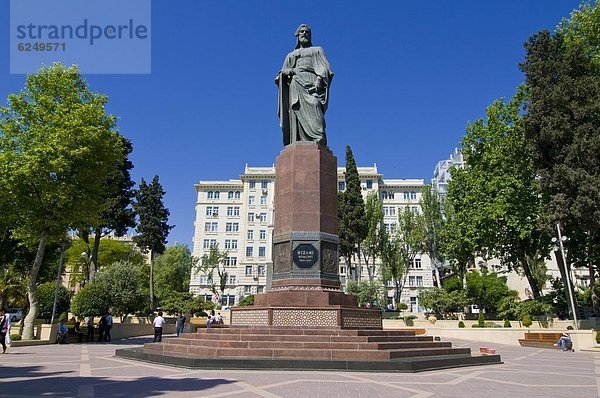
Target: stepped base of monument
<point>328,316</point>
<point>307,349</point>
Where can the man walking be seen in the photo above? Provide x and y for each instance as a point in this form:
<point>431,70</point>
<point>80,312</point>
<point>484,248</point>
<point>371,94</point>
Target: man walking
<point>4,326</point>
<point>180,323</point>
<point>109,323</point>
<point>158,324</point>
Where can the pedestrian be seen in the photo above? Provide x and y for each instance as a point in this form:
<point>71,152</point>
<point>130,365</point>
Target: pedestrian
<point>109,324</point>
<point>208,322</point>
<point>564,341</point>
<point>89,322</point>
<point>218,320</point>
<point>101,328</point>
<point>180,323</point>
<point>158,324</point>
<point>4,328</point>
<point>77,330</point>
<point>61,336</point>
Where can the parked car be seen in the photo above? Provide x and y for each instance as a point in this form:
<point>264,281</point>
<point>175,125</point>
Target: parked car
<point>15,314</point>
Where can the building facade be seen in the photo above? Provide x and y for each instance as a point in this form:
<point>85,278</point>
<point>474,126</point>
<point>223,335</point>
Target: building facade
<point>237,215</point>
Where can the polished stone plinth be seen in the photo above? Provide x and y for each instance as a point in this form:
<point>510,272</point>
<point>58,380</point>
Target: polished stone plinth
<point>308,349</point>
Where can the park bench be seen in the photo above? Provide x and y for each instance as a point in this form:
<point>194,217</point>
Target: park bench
<point>540,340</point>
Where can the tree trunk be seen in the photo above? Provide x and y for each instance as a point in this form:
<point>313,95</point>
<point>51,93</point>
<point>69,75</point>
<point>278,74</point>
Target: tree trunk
<point>359,268</point>
<point>152,280</point>
<point>595,301</point>
<point>32,293</point>
<point>533,283</point>
<point>94,256</point>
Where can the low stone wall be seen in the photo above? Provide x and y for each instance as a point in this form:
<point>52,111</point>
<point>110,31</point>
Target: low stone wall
<point>582,339</point>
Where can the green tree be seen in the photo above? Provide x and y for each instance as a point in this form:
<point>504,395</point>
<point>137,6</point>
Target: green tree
<point>442,301</point>
<point>582,29</point>
<point>213,266</point>
<point>486,290</point>
<point>367,292</point>
<point>109,251</point>
<point>117,216</point>
<point>153,227</point>
<point>433,219</point>
<point>125,284</point>
<point>46,296</point>
<point>372,244</point>
<point>352,220</point>
<point>57,148</point>
<point>91,300</point>
<point>172,270</point>
<point>183,302</point>
<point>496,204</point>
<point>562,124</point>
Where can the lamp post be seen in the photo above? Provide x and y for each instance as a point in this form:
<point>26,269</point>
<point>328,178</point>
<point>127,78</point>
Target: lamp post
<point>60,264</point>
<point>560,240</point>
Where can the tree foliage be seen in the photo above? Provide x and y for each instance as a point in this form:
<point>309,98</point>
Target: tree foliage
<point>57,148</point>
<point>352,220</point>
<point>172,270</point>
<point>46,296</point>
<point>442,301</point>
<point>434,223</point>
<point>126,285</point>
<point>367,292</point>
<point>153,227</point>
<point>372,245</point>
<point>91,300</point>
<point>496,204</point>
<point>184,302</point>
<point>486,290</point>
<point>213,266</point>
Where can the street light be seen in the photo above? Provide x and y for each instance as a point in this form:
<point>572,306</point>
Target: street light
<point>560,240</point>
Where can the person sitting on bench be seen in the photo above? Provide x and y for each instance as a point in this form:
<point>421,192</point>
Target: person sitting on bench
<point>565,342</point>
<point>61,336</point>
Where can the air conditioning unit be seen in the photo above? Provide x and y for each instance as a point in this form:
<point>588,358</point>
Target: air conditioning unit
<point>265,192</point>
<point>215,215</point>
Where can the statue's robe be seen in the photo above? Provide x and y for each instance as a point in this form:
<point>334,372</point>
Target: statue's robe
<point>302,113</point>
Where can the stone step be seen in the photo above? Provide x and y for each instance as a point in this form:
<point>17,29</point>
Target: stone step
<point>301,353</point>
<point>307,332</point>
<point>301,338</point>
<point>306,345</point>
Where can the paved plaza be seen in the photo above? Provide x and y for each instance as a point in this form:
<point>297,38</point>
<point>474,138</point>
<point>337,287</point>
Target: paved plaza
<point>91,370</point>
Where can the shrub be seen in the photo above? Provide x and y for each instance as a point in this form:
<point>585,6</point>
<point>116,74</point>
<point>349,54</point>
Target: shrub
<point>15,336</point>
<point>526,320</point>
<point>409,320</point>
<point>490,324</point>
<point>481,320</point>
<point>91,300</point>
<point>507,323</point>
<point>598,336</point>
<point>247,301</point>
<point>46,299</point>
<point>402,306</point>
<point>461,324</point>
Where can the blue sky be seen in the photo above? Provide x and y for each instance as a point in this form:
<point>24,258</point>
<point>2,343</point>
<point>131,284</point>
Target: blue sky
<point>409,76</point>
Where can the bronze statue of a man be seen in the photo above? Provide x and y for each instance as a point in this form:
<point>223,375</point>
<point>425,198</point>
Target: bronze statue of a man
<point>304,83</point>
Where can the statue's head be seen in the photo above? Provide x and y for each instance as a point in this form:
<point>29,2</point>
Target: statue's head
<point>303,36</point>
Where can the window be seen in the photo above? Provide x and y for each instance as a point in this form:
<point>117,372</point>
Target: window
<point>232,227</point>
<point>263,200</point>
<point>262,217</point>
<point>249,251</point>
<point>411,281</point>
<point>389,211</point>
<point>262,235</point>
<point>342,270</point>
<point>391,194</point>
<point>227,299</point>
<point>203,279</point>
<point>208,297</point>
<point>208,243</point>
<point>231,244</point>
<point>211,226</point>
<point>264,184</point>
<point>252,184</point>
<point>413,195</point>
<point>248,270</point>
<point>232,280</point>
<point>229,211</point>
<point>212,211</point>
<point>210,194</point>
<point>247,289</point>
<point>260,289</point>
<point>237,194</point>
<point>261,270</point>
<point>369,184</point>
<point>230,195</point>
<point>250,217</point>
<point>251,200</point>
<point>262,251</point>
<point>406,195</point>
<point>341,185</point>
<point>419,281</point>
<point>231,261</point>
<point>384,195</point>
<point>418,263</point>
<point>250,234</point>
